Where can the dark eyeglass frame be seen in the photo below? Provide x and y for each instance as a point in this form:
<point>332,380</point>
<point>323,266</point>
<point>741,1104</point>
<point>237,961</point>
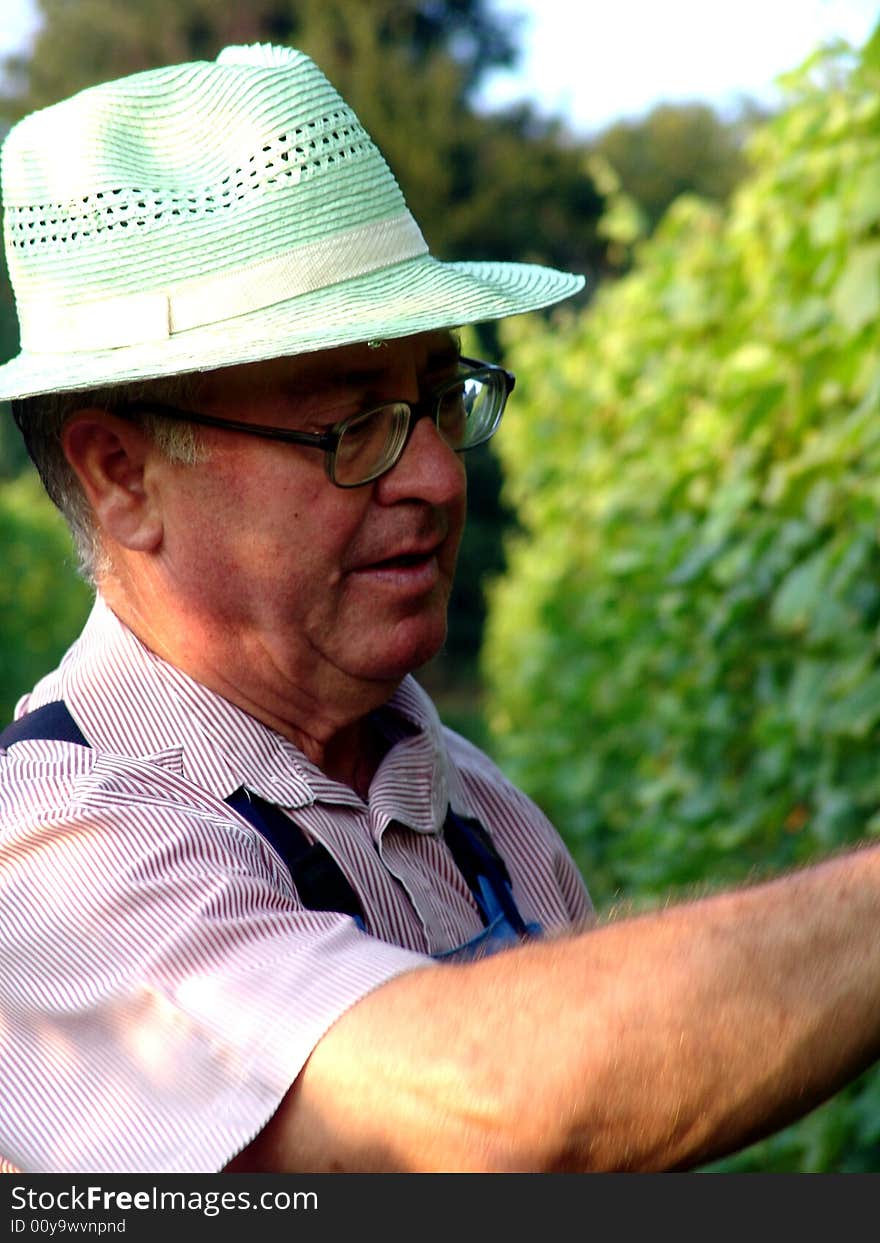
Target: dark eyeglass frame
<point>328,441</point>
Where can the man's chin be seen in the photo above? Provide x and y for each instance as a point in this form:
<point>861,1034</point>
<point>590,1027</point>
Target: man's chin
<point>392,664</point>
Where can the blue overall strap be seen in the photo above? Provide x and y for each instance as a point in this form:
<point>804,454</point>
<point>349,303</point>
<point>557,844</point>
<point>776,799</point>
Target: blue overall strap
<point>481,865</point>
<point>318,878</point>
<point>51,721</point>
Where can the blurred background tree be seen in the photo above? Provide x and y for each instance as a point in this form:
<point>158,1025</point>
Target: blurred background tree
<point>683,654</point>
<point>678,149</point>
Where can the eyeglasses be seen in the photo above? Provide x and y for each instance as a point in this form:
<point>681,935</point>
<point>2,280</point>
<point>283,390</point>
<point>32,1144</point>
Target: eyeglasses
<point>466,411</point>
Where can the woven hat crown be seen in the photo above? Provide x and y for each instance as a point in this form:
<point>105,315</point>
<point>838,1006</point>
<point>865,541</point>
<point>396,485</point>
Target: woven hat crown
<point>217,212</point>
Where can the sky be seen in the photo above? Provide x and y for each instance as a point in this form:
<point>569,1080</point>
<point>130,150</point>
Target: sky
<point>592,62</point>
<point>596,61</point>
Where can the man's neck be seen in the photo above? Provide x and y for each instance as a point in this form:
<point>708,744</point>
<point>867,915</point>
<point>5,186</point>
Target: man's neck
<point>332,726</point>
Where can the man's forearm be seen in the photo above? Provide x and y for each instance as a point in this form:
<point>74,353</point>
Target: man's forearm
<point>652,1043</point>
<point>735,1015</point>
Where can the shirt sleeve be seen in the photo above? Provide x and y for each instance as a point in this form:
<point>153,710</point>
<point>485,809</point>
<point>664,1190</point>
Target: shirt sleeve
<point>161,985</point>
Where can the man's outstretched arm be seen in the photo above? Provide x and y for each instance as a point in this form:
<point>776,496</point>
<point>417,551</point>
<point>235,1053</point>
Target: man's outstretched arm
<point>653,1043</point>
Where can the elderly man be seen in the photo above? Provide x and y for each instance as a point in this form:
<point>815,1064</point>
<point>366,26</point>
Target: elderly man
<point>252,891</point>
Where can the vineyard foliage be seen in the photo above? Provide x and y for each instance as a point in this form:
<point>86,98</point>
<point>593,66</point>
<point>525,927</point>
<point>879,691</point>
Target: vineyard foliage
<point>683,658</point>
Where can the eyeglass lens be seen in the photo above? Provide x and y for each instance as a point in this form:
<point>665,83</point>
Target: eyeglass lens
<point>466,414</point>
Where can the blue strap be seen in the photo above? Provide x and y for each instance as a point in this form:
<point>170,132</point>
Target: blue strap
<point>51,721</point>
<point>484,870</point>
<point>317,876</point>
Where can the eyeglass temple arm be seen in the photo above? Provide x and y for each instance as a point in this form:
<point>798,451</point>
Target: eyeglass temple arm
<point>319,440</point>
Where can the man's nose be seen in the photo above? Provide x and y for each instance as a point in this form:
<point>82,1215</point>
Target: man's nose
<point>428,469</point>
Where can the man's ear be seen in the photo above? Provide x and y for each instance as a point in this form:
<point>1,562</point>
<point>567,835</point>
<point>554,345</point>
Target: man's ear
<point>111,457</point>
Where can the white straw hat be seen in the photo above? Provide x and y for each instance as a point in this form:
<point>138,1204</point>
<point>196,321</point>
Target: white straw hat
<point>209,214</point>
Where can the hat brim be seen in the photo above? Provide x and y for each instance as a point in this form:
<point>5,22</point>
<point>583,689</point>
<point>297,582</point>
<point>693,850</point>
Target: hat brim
<point>418,295</point>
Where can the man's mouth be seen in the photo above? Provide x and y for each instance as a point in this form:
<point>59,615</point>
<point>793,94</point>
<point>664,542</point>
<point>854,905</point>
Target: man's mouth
<point>411,568</point>
<point>406,560</point>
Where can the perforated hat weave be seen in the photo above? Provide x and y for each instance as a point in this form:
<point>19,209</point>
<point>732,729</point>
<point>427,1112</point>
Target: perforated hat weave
<point>217,213</point>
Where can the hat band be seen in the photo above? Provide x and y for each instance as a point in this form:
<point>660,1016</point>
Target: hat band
<point>136,319</point>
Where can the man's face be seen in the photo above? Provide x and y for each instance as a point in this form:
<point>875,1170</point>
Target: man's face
<point>302,580</point>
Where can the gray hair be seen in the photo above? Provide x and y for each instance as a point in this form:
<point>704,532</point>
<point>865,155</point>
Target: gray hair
<point>41,421</point>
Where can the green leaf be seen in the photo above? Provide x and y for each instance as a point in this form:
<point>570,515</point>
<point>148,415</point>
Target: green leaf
<point>864,210</point>
<point>795,601</point>
<point>825,222</point>
<point>856,295</point>
<point>857,713</point>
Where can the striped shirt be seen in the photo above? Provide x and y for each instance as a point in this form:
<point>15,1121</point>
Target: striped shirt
<point>161,986</point>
